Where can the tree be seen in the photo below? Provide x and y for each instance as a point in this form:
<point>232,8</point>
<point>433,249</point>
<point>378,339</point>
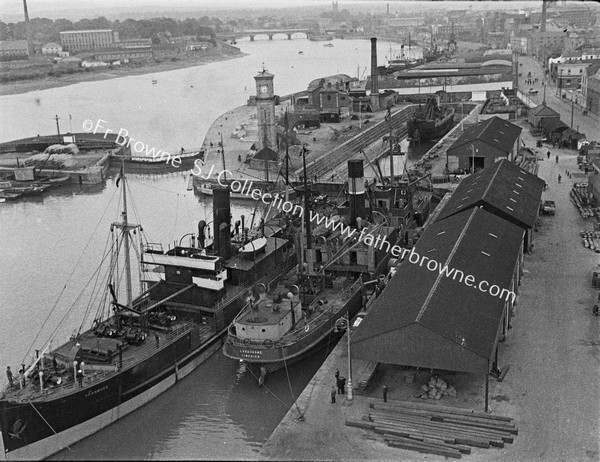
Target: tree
<point>3,31</point>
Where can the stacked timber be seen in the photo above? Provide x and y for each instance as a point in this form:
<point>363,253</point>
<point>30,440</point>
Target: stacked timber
<point>433,429</point>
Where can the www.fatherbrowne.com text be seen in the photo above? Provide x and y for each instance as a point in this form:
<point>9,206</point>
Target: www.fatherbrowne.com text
<point>245,187</point>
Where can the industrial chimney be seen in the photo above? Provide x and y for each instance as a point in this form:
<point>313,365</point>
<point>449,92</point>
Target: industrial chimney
<point>543,24</point>
<point>222,222</point>
<point>374,75</point>
<point>356,190</point>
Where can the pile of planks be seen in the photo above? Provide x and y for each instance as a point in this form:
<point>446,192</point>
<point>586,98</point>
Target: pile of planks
<point>433,429</point>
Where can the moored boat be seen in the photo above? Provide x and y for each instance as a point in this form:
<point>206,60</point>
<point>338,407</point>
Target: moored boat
<point>136,348</point>
<point>430,122</point>
<point>161,160</point>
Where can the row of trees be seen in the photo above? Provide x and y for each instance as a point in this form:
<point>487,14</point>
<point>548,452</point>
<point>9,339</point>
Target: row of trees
<point>48,30</point>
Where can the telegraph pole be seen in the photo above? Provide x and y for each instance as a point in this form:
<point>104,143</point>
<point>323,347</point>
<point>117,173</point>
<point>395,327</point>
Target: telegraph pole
<point>572,106</point>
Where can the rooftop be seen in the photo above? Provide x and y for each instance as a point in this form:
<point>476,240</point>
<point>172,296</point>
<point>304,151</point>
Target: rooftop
<point>504,189</point>
<point>495,131</point>
<point>426,319</point>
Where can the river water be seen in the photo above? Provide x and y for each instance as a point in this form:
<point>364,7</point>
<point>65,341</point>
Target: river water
<point>50,246</point>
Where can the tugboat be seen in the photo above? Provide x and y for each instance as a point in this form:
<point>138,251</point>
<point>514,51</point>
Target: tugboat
<point>285,322</point>
<point>430,122</point>
<point>137,347</point>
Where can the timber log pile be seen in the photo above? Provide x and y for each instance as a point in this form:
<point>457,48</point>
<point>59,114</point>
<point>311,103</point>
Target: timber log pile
<point>582,200</point>
<point>433,429</point>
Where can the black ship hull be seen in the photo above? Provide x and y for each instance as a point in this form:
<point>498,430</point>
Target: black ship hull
<point>35,430</point>
<point>430,129</point>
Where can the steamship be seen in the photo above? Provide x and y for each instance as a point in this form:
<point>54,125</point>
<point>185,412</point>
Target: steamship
<point>136,348</point>
<point>285,322</point>
<point>430,122</point>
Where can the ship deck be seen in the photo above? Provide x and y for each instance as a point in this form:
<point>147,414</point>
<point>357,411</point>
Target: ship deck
<point>96,372</point>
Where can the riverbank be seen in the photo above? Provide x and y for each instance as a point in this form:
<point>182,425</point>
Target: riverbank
<point>25,86</point>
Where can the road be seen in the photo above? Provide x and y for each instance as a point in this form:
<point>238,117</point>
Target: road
<point>588,124</point>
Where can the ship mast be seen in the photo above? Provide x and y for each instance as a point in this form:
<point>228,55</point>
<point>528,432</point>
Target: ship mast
<point>126,228</point>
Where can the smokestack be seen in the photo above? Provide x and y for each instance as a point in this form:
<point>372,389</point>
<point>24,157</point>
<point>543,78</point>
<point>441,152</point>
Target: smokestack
<point>374,76</point>
<point>222,222</point>
<point>356,190</point>
<point>543,24</point>
<point>28,30</point>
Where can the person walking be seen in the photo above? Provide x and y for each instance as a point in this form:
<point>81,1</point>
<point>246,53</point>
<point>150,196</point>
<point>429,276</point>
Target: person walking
<point>548,154</point>
<point>385,390</point>
<point>332,395</point>
<point>557,159</point>
<point>559,177</point>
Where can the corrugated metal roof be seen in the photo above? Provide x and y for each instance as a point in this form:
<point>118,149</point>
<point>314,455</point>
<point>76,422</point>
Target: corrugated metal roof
<point>426,319</point>
<point>495,131</point>
<point>504,189</point>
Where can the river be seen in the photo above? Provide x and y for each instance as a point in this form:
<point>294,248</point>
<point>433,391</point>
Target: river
<point>50,246</point>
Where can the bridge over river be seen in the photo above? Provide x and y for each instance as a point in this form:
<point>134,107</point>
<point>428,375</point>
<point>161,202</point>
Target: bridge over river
<point>290,33</point>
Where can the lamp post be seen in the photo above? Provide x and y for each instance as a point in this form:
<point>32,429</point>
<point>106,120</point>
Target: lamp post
<point>349,396</point>
<point>544,86</point>
<point>572,106</point>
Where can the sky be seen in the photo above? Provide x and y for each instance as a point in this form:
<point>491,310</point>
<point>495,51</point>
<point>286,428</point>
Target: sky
<point>12,9</point>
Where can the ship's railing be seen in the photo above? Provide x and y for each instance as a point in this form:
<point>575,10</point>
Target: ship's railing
<point>234,292</point>
<point>142,352</point>
<point>346,293</point>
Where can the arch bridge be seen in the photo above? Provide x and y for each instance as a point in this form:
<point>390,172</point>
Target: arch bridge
<point>269,33</point>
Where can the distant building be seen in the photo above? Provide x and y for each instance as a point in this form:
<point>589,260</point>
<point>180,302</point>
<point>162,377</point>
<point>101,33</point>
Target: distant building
<point>13,49</point>
<point>593,93</point>
<point>51,48</point>
<point>545,44</point>
<point>69,61</point>
<point>569,74</point>
<point>125,54</point>
<point>134,43</point>
<point>405,21</point>
<point>81,40</point>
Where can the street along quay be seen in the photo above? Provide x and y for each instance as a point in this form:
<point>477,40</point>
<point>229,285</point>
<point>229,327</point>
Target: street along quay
<point>549,360</point>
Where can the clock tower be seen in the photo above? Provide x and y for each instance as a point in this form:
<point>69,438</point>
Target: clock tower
<point>265,109</point>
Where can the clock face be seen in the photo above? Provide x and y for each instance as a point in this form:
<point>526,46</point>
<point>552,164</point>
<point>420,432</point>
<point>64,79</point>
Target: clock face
<point>263,89</point>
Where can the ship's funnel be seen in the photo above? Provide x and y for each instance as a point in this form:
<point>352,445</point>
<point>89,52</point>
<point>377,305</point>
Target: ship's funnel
<point>222,222</point>
<point>356,190</point>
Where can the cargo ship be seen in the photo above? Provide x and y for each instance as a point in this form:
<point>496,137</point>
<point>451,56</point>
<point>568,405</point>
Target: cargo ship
<point>430,122</point>
<point>285,322</point>
<point>136,348</point>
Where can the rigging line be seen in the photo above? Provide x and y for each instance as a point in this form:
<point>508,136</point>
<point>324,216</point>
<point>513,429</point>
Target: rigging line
<point>175,221</point>
<point>50,426</point>
<point>105,280</point>
<point>76,302</point>
<point>94,294</point>
<point>188,213</point>
<point>156,187</point>
<point>300,413</point>
<point>69,278</point>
